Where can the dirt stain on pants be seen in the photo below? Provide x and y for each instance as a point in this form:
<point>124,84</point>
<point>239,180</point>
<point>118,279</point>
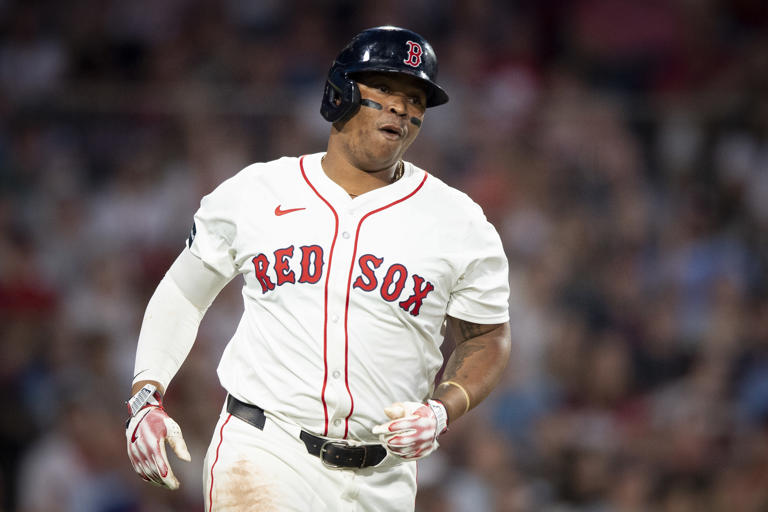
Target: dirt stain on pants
<point>243,488</point>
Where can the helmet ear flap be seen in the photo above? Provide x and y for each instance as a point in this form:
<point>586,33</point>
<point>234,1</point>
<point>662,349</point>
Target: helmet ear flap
<point>341,98</point>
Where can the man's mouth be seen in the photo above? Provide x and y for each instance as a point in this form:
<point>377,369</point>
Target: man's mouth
<point>392,130</point>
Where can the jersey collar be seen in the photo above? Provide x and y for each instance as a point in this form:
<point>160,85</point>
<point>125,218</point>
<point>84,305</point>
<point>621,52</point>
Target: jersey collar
<point>335,194</point>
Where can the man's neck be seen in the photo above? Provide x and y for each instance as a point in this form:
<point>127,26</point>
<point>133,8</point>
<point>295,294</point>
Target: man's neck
<point>354,180</point>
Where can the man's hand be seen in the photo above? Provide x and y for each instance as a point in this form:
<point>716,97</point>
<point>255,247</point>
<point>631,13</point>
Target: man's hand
<point>412,432</point>
<point>146,434</point>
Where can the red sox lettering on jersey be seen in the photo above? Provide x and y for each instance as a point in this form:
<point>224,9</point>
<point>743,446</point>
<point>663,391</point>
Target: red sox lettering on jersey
<point>310,269</point>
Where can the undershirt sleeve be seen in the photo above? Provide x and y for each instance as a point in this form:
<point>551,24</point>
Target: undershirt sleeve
<point>173,316</point>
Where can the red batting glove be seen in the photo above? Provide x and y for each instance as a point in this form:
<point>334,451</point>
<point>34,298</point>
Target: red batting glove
<point>146,434</point>
<point>412,432</point>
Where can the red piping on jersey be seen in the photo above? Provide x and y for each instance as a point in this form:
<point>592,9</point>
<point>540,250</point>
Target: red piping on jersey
<point>349,283</point>
<point>221,440</point>
<point>325,297</point>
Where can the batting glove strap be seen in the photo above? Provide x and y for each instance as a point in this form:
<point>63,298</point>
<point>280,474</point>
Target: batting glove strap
<point>441,416</point>
<point>148,396</point>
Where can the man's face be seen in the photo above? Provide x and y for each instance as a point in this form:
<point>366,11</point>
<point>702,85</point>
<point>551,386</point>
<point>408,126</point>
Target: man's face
<point>378,138</point>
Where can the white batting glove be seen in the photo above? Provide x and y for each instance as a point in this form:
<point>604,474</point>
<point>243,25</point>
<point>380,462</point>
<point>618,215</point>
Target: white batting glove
<point>412,432</point>
<point>145,434</point>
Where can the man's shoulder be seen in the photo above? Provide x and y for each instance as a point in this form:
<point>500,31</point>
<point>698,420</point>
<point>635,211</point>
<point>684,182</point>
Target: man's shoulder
<point>252,178</point>
<point>270,167</point>
<point>450,198</point>
<point>277,169</point>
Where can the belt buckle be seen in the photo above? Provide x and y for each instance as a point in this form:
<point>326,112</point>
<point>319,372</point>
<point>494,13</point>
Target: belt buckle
<point>323,451</point>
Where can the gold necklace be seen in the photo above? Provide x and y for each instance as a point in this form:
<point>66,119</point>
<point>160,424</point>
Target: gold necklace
<point>399,171</point>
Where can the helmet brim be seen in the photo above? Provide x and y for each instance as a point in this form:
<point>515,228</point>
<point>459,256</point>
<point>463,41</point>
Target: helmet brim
<point>436,95</point>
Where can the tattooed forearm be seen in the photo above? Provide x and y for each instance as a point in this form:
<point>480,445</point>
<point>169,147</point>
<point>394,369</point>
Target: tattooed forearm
<point>475,366</point>
<point>458,360</point>
<point>464,330</point>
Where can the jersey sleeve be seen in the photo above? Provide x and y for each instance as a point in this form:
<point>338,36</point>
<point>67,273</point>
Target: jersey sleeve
<point>481,294</point>
<point>214,229</point>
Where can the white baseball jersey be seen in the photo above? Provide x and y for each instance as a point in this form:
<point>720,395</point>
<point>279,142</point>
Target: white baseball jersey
<point>345,298</point>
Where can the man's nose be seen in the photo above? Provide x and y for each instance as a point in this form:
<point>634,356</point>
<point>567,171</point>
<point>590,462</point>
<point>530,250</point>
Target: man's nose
<point>397,105</point>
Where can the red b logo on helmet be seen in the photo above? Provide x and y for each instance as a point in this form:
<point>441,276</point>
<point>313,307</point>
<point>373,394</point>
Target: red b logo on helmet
<point>414,54</point>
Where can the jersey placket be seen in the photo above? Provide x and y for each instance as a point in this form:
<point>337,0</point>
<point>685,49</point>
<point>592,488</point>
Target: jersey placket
<point>338,395</point>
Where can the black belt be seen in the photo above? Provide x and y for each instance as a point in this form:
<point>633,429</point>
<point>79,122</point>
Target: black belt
<point>334,454</point>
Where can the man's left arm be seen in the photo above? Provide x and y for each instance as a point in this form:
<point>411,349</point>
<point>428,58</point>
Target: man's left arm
<point>473,370</point>
<point>475,366</point>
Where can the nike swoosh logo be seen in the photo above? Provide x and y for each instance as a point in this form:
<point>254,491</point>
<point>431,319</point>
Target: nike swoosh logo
<point>133,436</point>
<point>280,212</point>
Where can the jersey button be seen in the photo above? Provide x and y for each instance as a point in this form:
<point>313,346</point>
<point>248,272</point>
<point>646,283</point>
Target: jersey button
<point>337,422</point>
<point>345,234</point>
<point>336,374</point>
<point>335,318</point>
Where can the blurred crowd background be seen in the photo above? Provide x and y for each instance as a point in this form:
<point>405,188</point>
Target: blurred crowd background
<point>619,146</point>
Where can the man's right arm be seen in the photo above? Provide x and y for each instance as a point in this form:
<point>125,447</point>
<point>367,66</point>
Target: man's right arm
<point>168,332</point>
<point>172,318</point>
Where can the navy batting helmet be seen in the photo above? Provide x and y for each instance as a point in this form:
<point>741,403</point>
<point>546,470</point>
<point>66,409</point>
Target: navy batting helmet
<point>380,49</point>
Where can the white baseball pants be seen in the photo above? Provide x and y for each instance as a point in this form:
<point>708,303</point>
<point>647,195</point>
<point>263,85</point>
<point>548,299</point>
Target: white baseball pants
<point>247,469</point>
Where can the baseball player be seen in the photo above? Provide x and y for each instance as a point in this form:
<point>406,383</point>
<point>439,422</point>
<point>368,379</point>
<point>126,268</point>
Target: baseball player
<point>354,262</point>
